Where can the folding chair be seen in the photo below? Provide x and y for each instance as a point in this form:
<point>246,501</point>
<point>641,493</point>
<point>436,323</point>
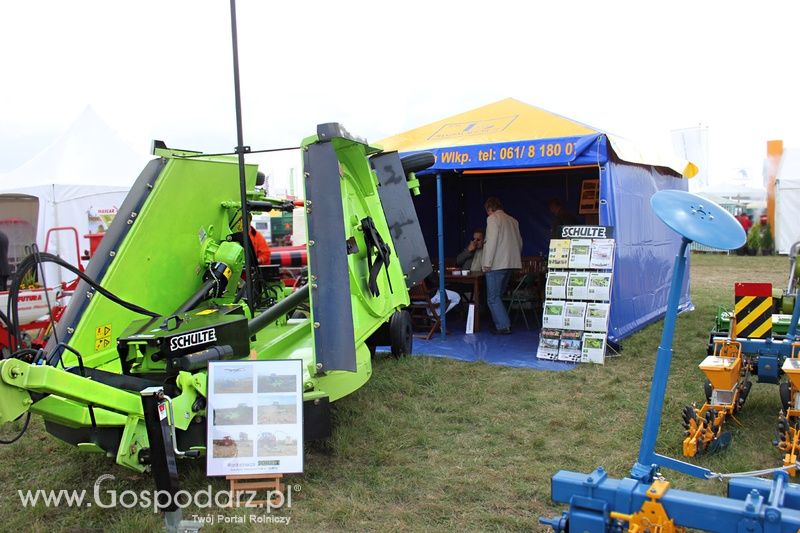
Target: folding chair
<point>524,296</point>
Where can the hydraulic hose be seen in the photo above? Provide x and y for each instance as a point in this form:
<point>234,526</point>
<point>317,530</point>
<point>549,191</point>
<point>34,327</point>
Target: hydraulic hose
<point>197,297</point>
<point>11,318</point>
<point>10,327</point>
<point>29,263</point>
<point>281,308</point>
<point>21,431</point>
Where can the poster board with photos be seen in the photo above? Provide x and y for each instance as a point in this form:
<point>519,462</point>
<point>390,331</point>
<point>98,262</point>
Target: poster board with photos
<point>578,295</point>
<point>255,422</point>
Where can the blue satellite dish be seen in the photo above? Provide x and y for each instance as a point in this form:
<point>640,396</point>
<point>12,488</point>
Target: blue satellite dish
<point>698,219</point>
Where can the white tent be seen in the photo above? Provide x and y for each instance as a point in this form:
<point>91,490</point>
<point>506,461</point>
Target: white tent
<point>787,201</point>
<point>77,182</point>
<point>736,191</point>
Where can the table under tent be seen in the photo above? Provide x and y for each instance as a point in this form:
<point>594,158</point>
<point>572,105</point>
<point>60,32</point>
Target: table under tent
<point>527,156</point>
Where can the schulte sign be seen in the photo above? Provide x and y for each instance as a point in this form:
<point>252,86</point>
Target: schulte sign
<point>587,232</point>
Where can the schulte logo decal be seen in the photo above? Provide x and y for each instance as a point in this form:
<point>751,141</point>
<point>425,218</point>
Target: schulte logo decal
<point>194,338</point>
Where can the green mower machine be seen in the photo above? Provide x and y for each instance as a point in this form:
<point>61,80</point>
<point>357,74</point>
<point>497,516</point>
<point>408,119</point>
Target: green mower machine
<point>164,295</point>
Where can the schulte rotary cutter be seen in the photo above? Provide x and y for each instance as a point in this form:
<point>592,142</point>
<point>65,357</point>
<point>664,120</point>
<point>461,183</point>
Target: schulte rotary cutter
<point>177,249</point>
<point>644,501</point>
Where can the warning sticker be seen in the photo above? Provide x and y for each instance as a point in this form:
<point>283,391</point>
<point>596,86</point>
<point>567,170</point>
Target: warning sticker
<point>101,344</point>
<point>206,312</point>
<point>102,337</point>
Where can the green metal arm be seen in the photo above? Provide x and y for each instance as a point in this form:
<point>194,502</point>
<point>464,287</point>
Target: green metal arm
<point>17,378</point>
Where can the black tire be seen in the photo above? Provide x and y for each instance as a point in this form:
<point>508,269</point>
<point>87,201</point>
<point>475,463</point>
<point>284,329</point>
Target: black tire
<point>417,162</point>
<point>709,390</point>
<point>744,390</point>
<point>401,334</point>
<point>373,348</point>
<point>786,396</point>
<point>302,311</point>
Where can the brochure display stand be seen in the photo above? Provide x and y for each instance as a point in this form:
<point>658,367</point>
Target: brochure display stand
<point>577,295</point>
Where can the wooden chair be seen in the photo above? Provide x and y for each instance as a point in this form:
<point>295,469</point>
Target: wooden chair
<point>534,264</point>
<point>424,313</point>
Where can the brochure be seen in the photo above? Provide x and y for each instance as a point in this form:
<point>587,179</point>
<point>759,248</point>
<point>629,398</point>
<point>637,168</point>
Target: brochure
<point>578,286</point>
<point>553,314</point>
<point>574,315</point>
<point>597,316</point>
<point>570,347</point>
<point>599,286</point>
<point>549,340</point>
<point>556,285</point>
<point>580,251</point>
<point>594,348</point>
<point>559,254</point>
<point>602,253</point>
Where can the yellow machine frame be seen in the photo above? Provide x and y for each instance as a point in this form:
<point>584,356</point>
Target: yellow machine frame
<point>725,371</point>
<point>791,418</point>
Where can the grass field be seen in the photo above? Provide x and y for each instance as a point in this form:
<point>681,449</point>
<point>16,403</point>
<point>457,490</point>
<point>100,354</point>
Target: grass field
<point>436,445</point>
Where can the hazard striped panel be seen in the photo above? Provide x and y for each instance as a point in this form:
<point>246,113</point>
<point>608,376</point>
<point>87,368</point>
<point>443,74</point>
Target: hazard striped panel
<point>753,310</point>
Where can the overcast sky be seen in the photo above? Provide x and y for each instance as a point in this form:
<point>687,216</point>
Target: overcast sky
<point>163,69</point>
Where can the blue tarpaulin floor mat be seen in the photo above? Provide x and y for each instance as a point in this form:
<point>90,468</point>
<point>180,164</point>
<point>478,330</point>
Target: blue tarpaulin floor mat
<point>515,350</point>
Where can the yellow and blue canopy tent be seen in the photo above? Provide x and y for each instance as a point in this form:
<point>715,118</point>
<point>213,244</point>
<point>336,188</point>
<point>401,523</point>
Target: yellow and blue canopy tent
<point>525,155</point>
<point>512,135</point>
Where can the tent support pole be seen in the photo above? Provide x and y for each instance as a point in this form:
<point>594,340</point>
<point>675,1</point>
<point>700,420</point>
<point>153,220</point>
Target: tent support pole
<point>603,207</point>
<point>442,292</point>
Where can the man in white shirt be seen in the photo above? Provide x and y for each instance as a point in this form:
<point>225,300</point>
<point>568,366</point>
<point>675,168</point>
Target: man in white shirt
<point>502,253</point>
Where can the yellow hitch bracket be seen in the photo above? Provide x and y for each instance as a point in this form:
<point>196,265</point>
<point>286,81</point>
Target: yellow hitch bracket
<point>792,448</point>
<point>795,350</point>
<point>727,348</point>
<point>652,517</point>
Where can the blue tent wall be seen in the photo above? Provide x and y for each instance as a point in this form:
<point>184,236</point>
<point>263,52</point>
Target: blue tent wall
<point>646,247</point>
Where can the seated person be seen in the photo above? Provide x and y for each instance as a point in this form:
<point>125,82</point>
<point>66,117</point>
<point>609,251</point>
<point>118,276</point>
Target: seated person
<point>471,258</point>
<point>452,298</point>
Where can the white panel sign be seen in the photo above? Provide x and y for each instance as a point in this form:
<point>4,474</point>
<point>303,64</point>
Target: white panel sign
<point>255,417</point>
